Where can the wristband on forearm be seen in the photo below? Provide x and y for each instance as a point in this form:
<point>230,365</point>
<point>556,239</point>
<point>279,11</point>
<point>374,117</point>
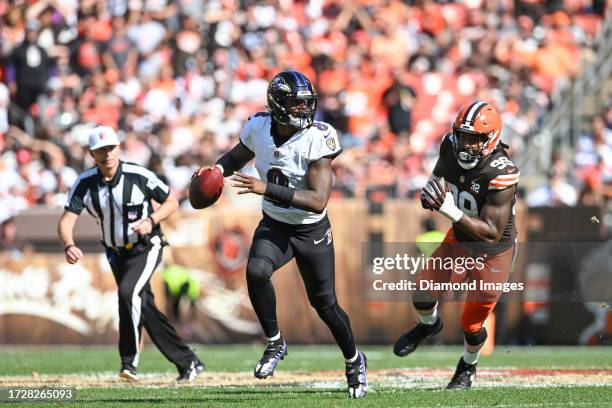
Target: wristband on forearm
<point>67,247</point>
<point>280,194</point>
<point>449,208</point>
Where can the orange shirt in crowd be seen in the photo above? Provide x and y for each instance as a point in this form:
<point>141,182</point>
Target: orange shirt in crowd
<point>390,48</point>
<point>555,61</point>
<point>333,81</point>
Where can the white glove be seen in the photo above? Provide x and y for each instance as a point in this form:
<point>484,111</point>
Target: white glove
<point>449,209</point>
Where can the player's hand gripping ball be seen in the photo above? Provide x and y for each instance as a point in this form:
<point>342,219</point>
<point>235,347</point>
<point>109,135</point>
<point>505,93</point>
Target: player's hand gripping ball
<point>433,194</point>
<point>206,187</point>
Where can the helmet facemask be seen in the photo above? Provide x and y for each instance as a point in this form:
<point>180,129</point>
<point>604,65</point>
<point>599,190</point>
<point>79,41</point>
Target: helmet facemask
<point>468,147</point>
<point>294,111</point>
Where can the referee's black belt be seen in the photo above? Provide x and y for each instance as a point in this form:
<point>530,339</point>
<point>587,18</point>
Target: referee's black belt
<point>143,244</point>
<point>130,247</point>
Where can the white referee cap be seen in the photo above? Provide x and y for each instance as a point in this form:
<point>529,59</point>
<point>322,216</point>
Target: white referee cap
<point>102,136</point>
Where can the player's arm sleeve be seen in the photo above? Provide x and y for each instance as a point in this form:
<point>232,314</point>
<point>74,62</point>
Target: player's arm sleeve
<point>156,189</point>
<point>506,177</point>
<point>76,197</point>
<point>327,145</point>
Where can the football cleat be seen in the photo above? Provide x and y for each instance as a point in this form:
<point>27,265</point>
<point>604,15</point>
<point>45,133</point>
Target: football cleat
<point>128,374</point>
<point>275,352</point>
<point>191,372</point>
<point>409,341</point>
<point>464,376</point>
<point>357,377</point>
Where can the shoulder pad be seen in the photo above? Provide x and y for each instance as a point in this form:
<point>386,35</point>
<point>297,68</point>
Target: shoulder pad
<point>259,115</point>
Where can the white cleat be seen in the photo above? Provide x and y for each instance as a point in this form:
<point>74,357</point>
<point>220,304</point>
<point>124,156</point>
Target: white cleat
<point>128,375</point>
<point>357,377</point>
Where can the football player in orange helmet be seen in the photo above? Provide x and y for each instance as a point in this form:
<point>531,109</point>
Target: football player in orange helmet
<point>477,131</point>
<point>474,185</point>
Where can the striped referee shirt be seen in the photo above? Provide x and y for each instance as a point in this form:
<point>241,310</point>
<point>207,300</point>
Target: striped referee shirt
<point>117,204</point>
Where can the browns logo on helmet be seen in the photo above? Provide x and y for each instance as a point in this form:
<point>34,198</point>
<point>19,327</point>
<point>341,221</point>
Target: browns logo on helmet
<point>476,133</point>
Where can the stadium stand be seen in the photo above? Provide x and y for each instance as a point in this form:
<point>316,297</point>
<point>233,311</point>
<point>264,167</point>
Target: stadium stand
<point>178,78</point>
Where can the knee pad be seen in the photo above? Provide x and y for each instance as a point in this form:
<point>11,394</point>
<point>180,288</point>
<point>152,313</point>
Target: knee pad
<point>475,339</point>
<point>423,305</point>
<point>259,270</point>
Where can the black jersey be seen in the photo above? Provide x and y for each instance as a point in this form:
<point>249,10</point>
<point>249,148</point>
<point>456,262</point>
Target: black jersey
<point>470,187</point>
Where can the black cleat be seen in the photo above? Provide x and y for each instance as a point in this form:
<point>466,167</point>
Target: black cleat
<point>464,376</point>
<point>357,377</point>
<point>409,341</point>
<point>275,352</point>
<point>191,372</point>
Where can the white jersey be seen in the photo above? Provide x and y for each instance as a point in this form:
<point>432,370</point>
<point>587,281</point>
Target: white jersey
<point>287,164</point>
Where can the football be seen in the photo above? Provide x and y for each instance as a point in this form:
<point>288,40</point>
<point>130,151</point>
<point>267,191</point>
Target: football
<point>206,188</point>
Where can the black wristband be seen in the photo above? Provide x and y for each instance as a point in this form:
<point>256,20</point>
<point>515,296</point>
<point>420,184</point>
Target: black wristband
<point>67,247</point>
<point>280,194</point>
<point>153,223</point>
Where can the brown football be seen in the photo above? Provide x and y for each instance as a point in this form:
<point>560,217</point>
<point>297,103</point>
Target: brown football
<point>206,188</point>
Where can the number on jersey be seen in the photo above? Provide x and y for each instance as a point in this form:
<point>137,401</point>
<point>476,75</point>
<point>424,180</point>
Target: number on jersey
<point>276,176</point>
<point>321,126</point>
<point>464,201</point>
<point>501,163</point>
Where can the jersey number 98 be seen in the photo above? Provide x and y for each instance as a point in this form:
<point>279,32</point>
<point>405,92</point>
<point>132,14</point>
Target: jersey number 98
<point>464,200</point>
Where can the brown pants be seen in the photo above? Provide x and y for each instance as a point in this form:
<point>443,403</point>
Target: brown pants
<point>479,302</point>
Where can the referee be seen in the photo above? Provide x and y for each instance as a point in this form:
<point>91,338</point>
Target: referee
<point>118,195</point>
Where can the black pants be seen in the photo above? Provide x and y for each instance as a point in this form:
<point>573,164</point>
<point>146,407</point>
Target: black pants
<point>276,243</point>
<point>133,271</point>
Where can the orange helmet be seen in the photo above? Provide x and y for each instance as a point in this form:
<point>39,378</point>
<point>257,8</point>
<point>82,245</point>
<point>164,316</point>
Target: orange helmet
<point>478,121</point>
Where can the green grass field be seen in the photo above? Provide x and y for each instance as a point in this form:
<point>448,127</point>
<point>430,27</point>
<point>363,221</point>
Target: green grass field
<point>313,376</point>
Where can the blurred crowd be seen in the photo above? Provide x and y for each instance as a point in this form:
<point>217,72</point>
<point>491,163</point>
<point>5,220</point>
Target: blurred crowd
<point>178,79</point>
<point>587,179</point>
